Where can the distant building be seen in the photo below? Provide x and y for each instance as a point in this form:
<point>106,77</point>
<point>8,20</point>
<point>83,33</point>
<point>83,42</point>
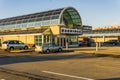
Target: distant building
<point>110,27</point>
<point>55,26</point>
<point>87,28</point>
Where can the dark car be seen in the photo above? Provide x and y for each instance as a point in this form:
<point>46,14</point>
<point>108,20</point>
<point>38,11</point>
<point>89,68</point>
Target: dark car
<point>111,42</point>
<point>83,43</point>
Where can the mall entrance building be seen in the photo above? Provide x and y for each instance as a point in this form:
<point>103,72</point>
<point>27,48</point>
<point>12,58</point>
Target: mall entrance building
<point>59,26</point>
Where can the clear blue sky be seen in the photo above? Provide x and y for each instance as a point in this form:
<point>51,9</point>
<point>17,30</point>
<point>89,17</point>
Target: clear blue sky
<point>93,12</point>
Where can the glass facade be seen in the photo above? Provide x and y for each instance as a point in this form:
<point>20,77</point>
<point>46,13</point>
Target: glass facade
<point>73,40</point>
<point>28,24</point>
<point>69,16</point>
<point>46,39</point>
<point>38,40</point>
<point>71,19</point>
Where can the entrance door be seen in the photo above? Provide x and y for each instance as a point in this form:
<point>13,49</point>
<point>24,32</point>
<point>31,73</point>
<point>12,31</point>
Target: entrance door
<point>61,41</point>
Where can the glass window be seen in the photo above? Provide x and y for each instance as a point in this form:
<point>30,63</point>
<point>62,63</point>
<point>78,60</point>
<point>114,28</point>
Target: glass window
<point>12,26</point>
<point>31,20</point>
<point>46,39</point>
<point>46,18</point>
<point>24,25</point>
<point>13,22</point>
<point>1,27</point>
<point>18,22</point>
<point>5,27</point>
<point>55,17</point>
<point>25,21</point>
<point>45,22</point>
<point>3,24</point>
<point>54,22</point>
<point>31,24</point>
<point>11,42</point>
<point>38,40</point>
<point>38,23</point>
<point>18,26</point>
<point>9,26</point>
<point>39,19</point>
<point>75,16</point>
<point>7,23</point>
<point>76,20</point>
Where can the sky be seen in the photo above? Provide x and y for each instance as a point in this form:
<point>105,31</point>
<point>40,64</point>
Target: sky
<point>96,13</point>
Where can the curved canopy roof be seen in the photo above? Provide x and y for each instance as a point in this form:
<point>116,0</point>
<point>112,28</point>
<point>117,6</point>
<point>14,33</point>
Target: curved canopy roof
<point>66,16</point>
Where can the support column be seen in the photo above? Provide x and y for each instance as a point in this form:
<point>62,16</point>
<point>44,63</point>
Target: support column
<point>59,38</point>
<point>99,44</point>
<point>103,38</point>
<point>96,46</point>
<point>49,39</point>
<point>63,41</point>
<point>66,43</point>
<point>42,39</point>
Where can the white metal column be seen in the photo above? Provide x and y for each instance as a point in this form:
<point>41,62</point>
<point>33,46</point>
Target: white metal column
<point>42,39</point>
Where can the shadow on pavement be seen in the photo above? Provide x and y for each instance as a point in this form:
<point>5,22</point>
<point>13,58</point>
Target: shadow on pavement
<point>12,60</point>
<point>111,79</point>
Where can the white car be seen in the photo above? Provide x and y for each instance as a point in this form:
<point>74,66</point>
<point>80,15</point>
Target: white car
<point>13,44</point>
<point>48,48</point>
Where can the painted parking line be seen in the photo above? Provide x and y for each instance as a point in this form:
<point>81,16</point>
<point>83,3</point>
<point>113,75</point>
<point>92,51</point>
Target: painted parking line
<point>72,76</point>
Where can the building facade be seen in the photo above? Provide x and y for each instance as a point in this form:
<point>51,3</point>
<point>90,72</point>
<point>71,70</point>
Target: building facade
<point>87,28</point>
<point>57,26</point>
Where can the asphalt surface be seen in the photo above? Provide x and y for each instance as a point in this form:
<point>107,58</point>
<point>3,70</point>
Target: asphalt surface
<point>64,66</point>
<point>8,76</point>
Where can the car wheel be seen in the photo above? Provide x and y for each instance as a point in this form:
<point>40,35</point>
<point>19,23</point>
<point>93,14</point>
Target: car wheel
<point>47,51</point>
<point>59,49</point>
<point>11,48</point>
<point>25,47</point>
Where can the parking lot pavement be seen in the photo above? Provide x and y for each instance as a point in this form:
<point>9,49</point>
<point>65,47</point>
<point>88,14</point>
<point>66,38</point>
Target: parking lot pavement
<point>65,67</point>
<point>7,76</point>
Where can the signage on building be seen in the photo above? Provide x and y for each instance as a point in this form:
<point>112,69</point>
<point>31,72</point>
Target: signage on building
<point>71,31</point>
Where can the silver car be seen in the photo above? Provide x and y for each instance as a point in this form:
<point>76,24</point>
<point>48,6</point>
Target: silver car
<point>48,48</point>
<point>13,44</point>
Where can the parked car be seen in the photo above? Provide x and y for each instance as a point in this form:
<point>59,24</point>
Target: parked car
<point>13,44</point>
<point>48,48</point>
<point>83,43</point>
<point>111,42</point>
